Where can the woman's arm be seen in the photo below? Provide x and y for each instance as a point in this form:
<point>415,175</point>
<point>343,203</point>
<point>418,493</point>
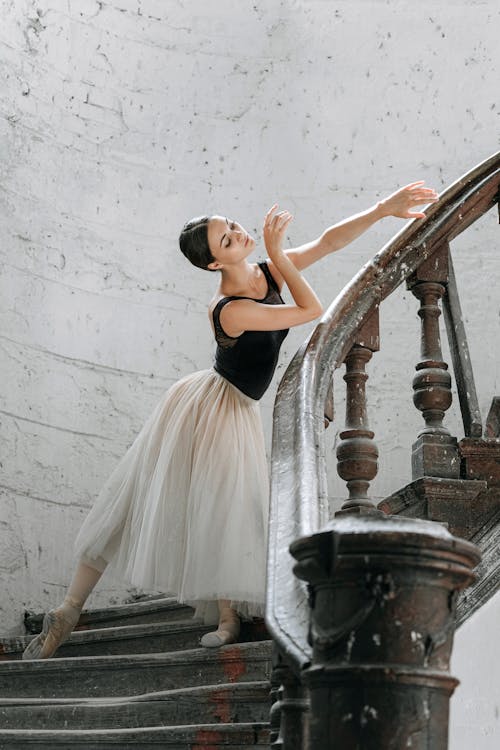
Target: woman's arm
<point>246,315</point>
<point>341,234</point>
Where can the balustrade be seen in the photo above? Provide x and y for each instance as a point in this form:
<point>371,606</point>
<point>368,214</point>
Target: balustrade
<point>435,453</point>
<point>357,452</point>
<point>360,657</point>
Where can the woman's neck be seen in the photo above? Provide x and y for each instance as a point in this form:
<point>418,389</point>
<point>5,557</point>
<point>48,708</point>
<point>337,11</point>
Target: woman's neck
<point>243,278</point>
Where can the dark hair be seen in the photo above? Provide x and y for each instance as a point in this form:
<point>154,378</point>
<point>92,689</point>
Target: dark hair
<point>193,241</point>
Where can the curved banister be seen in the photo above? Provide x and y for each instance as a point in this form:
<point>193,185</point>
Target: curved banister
<point>299,501</point>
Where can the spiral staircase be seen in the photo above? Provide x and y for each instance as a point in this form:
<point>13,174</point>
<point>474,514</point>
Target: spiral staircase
<point>134,675</point>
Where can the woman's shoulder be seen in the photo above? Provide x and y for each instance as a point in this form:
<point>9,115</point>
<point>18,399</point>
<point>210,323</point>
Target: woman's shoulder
<point>215,302</point>
<point>214,308</point>
<point>275,274</point>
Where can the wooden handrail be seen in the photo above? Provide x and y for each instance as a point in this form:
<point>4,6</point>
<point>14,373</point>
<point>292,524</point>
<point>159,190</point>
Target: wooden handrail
<point>299,501</point>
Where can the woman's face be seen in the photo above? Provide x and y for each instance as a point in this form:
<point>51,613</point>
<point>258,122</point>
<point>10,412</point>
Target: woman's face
<point>228,241</point>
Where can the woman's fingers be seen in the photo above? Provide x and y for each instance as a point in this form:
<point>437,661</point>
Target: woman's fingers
<point>272,220</point>
<point>423,193</point>
<point>271,210</point>
<point>279,221</point>
<point>267,217</point>
<point>281,218</point>
<point>432,198</point>
<point>423,198</point>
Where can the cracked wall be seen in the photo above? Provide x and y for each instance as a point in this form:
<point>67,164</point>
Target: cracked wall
<point>120,120</point>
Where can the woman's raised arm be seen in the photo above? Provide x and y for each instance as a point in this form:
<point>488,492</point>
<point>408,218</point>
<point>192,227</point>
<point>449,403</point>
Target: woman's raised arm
<point>341,234</point>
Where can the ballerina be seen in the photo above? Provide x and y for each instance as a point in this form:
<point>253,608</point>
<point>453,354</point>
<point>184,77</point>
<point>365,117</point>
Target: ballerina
<point>185,510</point>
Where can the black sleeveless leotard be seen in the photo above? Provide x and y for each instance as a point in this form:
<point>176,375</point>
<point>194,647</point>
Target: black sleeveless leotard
<point>248,361</point>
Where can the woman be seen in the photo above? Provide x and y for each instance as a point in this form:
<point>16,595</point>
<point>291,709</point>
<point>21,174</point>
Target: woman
<point>185,510</point>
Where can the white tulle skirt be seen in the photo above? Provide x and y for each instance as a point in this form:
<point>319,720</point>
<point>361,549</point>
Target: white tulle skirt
<point>185,511</point>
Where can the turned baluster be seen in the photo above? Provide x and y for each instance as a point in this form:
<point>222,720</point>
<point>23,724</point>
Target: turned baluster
<point>275,712</point>
<point>357,452</point>
<point>435,451</point>
<point>290,707</point>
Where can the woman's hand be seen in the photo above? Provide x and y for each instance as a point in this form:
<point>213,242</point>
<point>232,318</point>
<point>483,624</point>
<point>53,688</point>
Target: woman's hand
<point>399,203</point>
<point>274,230</point>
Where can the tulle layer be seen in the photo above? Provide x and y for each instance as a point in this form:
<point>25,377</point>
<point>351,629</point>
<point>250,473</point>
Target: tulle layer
<point>185,510</point>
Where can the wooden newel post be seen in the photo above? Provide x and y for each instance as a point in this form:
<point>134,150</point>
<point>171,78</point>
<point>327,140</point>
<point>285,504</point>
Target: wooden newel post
<point>357,452</point>
<point>435,452</point>
<point>382,620</point>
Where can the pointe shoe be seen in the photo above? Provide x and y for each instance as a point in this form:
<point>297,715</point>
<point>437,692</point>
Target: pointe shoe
<point>227,632</point>
<point>57,627</point>
<point>217,638</point>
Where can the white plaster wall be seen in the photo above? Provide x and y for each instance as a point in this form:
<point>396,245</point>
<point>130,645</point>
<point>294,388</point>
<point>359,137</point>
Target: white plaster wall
<point>118,121</point>
<point>475,706</point>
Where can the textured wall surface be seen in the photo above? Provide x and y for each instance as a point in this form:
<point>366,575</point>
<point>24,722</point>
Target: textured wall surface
<point>475,706</point>
<point>118,121</point>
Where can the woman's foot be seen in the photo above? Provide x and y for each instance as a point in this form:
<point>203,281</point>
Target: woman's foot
<point>227,631</point>
<point>58,625</point>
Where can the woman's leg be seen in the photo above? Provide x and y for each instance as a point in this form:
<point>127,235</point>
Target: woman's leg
<point>228,629</point>
<point>60,622</point>
<point>82,584</point>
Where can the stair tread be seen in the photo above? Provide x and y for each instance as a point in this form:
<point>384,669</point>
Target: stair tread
<point>140,637</point>
<point>208,735</point>
<point>239,687</point>
<point>142,605</point>
<point>193,655</point>
<point>222,703</point>
<point>166,605</point>
<point>139,730</point>
<point>114,632</point>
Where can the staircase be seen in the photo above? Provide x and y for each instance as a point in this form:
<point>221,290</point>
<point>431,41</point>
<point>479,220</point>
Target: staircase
<point>134,676</point>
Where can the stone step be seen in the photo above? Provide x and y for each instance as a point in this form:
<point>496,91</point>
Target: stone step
<point>159,609</point>
<point>132,674</point>
<point>122,639</point>
<point>227,703</point>
<point>126,639</point>
<point>209,736</point>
